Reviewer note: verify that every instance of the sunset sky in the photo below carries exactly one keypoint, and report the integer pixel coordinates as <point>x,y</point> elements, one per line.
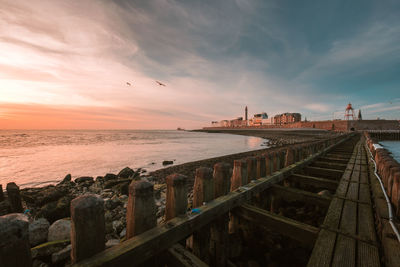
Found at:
<point>65,64</point>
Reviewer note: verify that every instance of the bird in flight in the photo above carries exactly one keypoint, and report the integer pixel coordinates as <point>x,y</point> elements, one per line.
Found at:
<point>160,83</point>
<point>127,83</point>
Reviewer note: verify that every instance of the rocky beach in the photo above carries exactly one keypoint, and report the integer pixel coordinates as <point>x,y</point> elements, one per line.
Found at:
<point>48,208</point>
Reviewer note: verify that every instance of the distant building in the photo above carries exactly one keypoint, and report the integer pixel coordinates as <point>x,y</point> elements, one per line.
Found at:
<point>287,118</point>
<point>259,119</point>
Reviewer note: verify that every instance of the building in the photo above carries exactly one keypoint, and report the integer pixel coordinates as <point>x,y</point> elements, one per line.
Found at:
<point>259,119</point>
<point>287,118</point>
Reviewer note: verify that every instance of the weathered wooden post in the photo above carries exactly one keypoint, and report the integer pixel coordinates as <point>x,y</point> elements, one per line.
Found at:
<point>261,166</point>
<point>219,230</point>
<point>15,249</point>
<point>289,157</point>
<point>203,191</point>
<point>239,175</point>
<point>141,209</point>
<point>239,178</point>
<point>282,156</point>
<point>87,227</point>
<point>14,197</point>
<point>177,203</point>
<point>268,164</point>
<point>251,169</point>
<point>1,193</point>
<point>396,193</point>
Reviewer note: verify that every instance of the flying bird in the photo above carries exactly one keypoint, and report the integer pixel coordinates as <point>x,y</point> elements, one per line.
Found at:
<point>128,84</point>
<point>160,83</point>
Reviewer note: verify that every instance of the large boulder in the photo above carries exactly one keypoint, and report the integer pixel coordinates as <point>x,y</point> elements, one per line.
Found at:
<point>44,196</point>
<point>126,173</point>
<point>84,179</point>
<point>5,207</point>
<point>38,231</point>
<point>60,230</point>
<point>110,176</point>
<point>112,183</point>
<point>56,210</point>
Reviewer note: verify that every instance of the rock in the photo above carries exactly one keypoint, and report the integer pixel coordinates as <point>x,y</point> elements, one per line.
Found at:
<point>110,176</point>
<point>126,173</point>
<point>167,162</point>
<point>14,240</point>
<point>112,183</point>
<point>61,255</point>
<point>47,249</point>
<point>66,179</point>
<point>60,230</point>
<point>122,188</point>
<point>56,210</point>
<point>39,263</point>
<point>123,233</point>
<point>44,196</point>
<point>14,197</point>
<point>117,226</point>
<point>38,231</point>
<point>110,204</point>
<point>325,193</point>
<point>84,179</point>
<point>112,242</point>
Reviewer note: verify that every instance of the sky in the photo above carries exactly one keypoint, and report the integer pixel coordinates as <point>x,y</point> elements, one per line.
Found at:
<point>66,64</point>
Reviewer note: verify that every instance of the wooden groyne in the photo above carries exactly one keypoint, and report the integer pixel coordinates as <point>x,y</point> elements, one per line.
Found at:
<point>377,135</point>
<point>315,204</point>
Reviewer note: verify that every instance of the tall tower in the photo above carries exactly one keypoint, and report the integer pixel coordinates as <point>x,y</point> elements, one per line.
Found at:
<point>245,115</point>
<point>349,113</point>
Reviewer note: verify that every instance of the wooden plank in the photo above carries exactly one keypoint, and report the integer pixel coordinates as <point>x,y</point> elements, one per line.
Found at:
<point>306,180</point>
<point>322,253</point>
<point>367,255</point>
<point>348,223</point>
<point>323,172</point>
<point>178,256</point>
<point>352,192</point>
<point>291,194</point>
<point>391,245</point>
<point>329,165</point>
<point>345,252</point>
<point>366,225</point>
<point>341,190</point>
<point>304,233</point>
<point>334,213</point>
<point>364,194</point>
<point>327,159</point>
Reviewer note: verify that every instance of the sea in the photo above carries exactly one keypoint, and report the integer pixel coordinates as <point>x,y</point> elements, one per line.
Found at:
<point>33,158</point>
<point>393,147</point>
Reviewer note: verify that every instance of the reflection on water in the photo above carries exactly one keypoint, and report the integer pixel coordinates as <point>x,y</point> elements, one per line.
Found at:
<point>33,158</point>
<point>393,147</point>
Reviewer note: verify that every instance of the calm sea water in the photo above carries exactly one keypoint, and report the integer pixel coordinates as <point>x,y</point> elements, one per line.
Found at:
<point>394,147</point>
<point>35,158</point>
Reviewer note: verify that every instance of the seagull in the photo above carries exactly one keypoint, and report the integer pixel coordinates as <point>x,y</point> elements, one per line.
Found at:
<point>160,83</point>
<point>128,84</point>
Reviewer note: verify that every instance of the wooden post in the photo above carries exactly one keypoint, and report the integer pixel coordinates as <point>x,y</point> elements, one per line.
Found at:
<point>141,209</point>
<point>261,170</point>
<point>87,227</point>
<point>1,193</point>
<point>222,182</point>
<point>396,193</point>
<point>290,157</point>
<point>239,175</point>
<point>203,191</point>
<point>219,240</point>
<point>251,169</point>
<point>15,249</point>
<point>275,159</point>
<point>268,164</point>
<point>14,197</point>
<point>177,203</point>
<point>282,157</point>
<point>239,178</point>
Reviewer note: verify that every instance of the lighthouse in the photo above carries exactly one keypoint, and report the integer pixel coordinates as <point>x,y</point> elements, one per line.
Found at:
<point>245,115</point>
